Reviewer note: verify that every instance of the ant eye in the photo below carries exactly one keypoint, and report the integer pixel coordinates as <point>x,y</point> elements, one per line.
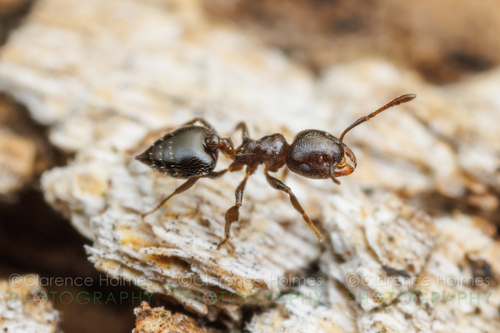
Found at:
<point>305,168</point>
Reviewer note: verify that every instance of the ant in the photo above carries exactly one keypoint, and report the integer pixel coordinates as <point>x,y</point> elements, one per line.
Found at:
<point>191,152</point>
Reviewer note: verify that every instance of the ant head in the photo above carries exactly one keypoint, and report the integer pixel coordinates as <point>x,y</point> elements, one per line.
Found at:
<point>319,155</point>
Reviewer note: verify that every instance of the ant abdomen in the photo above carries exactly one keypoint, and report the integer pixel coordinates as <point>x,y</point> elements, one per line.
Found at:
<point>181,153</point>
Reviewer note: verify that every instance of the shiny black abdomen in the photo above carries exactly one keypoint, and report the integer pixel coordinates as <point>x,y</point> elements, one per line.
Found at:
<point>181,153</point>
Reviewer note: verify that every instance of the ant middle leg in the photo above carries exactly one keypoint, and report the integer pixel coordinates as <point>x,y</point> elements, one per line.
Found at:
<point>245,136</point>
<point>233,213</point>
<point>278,185</point>
<point>190,182</point>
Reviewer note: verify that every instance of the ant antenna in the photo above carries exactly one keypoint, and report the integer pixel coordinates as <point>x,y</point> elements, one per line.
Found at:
<point>396,101</point>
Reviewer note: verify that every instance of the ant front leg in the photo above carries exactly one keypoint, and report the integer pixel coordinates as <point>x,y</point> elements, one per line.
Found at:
<point>233,213</point>
<point>277,184</point>
<point>284,174</point>
<point>189,183</point>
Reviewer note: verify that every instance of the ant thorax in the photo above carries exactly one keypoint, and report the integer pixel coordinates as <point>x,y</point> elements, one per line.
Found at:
<point>270,150</point>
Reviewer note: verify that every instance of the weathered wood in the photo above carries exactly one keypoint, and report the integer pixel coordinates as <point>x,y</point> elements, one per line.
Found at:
<point>103,75</point>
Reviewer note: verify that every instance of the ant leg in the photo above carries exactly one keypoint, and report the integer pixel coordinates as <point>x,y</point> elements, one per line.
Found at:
<point>277,184</point>
<point>245,136</point>
<point>190,182</point>
<point>217,174</point>
<point>233,213</point>
<point>244,129</point>
<point>284,174</point>
<point>202,121</point>
<point>335,180</point>
<point>184,187</point>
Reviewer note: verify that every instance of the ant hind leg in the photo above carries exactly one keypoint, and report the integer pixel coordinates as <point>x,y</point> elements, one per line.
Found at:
<point>202,121</point>
<point>184,187</point>
<point>189,183</point>
<point>278,185</point>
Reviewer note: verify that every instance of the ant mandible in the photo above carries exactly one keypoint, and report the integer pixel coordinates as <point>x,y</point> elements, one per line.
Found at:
<point>191,152</point>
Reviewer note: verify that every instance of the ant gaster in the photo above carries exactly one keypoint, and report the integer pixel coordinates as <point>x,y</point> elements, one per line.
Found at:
<point>191,152</point>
